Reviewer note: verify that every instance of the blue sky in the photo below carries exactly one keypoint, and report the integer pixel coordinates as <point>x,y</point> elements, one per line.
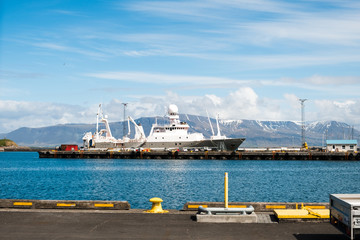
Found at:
<point>243,59</point>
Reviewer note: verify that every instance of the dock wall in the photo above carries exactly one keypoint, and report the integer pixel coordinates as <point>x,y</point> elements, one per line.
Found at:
<point>125,205</point>
<point>211,155</point>
<point>258,206</point>
<point>64,204</point>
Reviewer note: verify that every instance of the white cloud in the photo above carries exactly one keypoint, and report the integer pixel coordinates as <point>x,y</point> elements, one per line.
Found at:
<point>64,48</point>
<point>16,114</point>
<point>241,103</point>
<point>214,99</point>
<point>66,12</point>
<point>347,111</point>
<point>291,98</point>
<point>160,78</point>
<point>293,21</point>
<point>316,28</point>
<point>201,10</point>
<point>326,80</point>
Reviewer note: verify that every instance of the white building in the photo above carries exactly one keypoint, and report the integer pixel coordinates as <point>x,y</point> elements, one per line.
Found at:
<point>341,145</point>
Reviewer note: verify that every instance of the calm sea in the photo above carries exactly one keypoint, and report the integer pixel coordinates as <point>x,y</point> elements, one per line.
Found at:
<point>24,175</point>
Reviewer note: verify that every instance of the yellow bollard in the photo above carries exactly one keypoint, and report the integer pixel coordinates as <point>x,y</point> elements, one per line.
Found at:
<point>156,206</point>
<point>226,196</point>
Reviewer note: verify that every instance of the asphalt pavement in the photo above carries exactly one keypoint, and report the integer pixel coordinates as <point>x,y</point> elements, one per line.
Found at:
<point>134,224</point>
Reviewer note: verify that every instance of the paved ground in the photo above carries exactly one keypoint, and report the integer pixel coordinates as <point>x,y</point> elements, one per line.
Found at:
<point>133,224</point>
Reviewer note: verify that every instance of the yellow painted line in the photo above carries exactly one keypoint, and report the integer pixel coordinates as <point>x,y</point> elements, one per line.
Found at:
<point>237,206</point>
<point>22,203</point>
<point>66,204</point>
<point>197,206</point>
<point>316,207</point>
<point>104,205</point>
<point>275,206</point>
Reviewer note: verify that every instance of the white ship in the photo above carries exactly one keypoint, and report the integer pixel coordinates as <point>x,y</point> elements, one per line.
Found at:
<point>162,137</point>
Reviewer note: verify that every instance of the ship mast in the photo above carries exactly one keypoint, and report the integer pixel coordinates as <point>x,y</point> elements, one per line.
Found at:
<point>302,122</point>
<point>217,125</point>
<point>97,122</point>
<point>212,129</point>
<point>124,122</point>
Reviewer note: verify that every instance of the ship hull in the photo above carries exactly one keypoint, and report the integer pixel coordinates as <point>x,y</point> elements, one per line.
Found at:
<point>230,144</point>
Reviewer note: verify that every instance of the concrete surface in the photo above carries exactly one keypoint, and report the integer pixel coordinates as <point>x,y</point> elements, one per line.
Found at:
<point>134,224</point>
<point>226,218</point>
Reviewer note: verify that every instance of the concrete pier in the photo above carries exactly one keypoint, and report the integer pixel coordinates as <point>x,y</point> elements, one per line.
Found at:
<point>207,155</point>
<point>18,224</point>
<point>60,219</point>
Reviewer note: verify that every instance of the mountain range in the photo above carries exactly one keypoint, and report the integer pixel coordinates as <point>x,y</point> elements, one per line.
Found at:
<point>257,133</point>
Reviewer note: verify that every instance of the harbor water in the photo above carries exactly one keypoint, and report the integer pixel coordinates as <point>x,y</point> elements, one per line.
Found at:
<point>23,175</point>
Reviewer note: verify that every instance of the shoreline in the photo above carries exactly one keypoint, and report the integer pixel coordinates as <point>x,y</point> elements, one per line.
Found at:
<point>24,149</point>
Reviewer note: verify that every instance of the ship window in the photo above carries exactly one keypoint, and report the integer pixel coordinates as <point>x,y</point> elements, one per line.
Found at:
<point>162,137</point>
<point>179,143</point>
<point>187,137</point>
<point>179,137</point>
<point>175,144</point>
<point>351,147</point>
<point>343,146</point>
<point>155,137</point>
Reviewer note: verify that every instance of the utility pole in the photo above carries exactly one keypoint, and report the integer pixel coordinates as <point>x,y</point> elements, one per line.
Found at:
<point>124,122</point>
<point>302,121</point>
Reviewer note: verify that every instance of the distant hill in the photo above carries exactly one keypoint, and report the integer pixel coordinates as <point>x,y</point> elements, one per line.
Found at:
<point>257,133</point>
<point>7,143</point>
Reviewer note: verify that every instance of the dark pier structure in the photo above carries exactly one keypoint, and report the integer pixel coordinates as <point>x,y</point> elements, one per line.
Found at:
<point>210,155</point>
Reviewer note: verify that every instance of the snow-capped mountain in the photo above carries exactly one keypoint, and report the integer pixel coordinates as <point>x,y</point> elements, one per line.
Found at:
<point>257,133</point>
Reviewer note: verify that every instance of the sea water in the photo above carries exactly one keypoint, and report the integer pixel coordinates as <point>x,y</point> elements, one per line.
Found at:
<point>23,175</point>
